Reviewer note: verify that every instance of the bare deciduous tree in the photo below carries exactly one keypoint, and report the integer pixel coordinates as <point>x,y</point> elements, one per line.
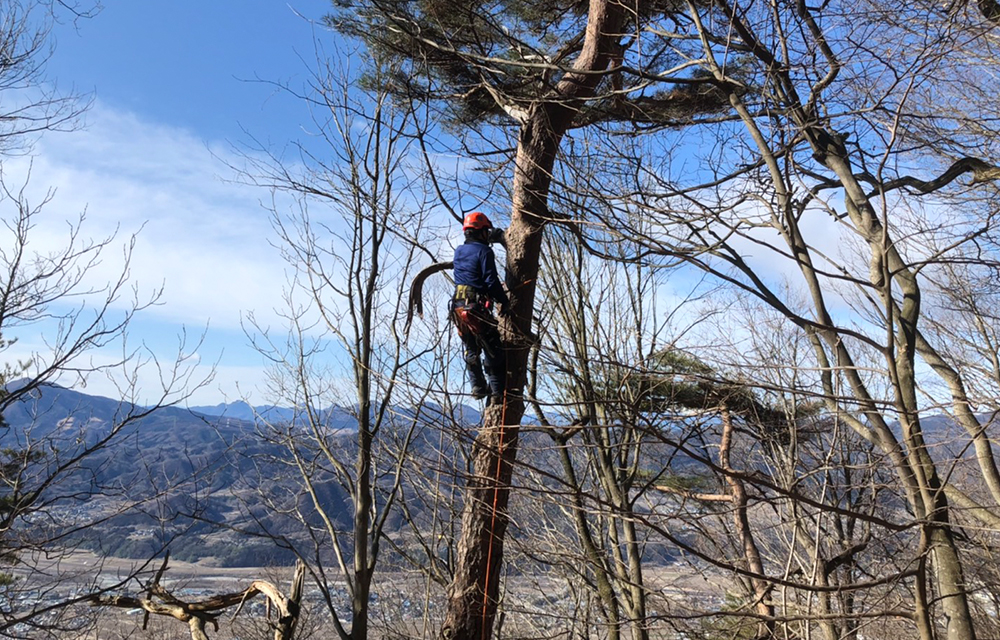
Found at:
<point>31,106</point>
<point>351,243</point>
<point>52,295</point>
<point>829,129</point>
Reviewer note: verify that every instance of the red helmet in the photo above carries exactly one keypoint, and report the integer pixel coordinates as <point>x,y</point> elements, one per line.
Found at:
<point>476,220</point>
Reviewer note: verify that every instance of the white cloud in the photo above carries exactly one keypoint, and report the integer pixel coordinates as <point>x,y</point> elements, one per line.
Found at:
<point>205,240</point>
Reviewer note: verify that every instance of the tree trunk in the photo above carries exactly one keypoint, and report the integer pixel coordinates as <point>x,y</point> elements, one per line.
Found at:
<point>472,602</point>
<point>472,597</point>
<point>362,523</point>
<point>762,590</point>
<point>601,577</point>
<point>289,615</point>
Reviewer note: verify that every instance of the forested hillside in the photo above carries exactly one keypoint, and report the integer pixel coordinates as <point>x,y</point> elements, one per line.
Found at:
<point>192,478</point>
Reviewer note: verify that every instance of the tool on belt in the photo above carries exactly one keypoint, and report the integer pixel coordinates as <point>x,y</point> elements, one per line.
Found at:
<point>469,310</point>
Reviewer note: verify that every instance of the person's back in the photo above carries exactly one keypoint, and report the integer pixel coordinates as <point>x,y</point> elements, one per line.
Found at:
<point>475,266</point>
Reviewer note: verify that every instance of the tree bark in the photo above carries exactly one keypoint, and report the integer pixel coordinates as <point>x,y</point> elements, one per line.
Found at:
<point>472,596</point>
<point>288,608</point>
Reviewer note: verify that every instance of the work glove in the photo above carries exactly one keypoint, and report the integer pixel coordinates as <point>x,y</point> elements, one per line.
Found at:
<point>497,236</point>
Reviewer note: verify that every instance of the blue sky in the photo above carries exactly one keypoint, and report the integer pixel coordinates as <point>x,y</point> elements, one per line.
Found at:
<point>194,65</point>
<point>175,86</point>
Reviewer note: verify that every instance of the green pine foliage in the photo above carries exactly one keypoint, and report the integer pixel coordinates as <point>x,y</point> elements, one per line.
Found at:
<point>674,379</point>
<point>485,59</point>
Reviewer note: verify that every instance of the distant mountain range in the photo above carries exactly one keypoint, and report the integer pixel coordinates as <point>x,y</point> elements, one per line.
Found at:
<point>208,461</point>
<point>51,403</point>
<point>240,410</point>
<point>190,469</point>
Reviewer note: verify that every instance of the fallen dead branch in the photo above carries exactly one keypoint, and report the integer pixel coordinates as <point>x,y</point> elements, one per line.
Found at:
<point>199,614</point>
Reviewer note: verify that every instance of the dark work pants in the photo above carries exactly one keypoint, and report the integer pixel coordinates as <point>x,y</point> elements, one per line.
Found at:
<point>483,342</point>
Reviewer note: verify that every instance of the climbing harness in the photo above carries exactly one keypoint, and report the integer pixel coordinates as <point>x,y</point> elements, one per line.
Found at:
<point>467,321</point>
<point>470,310</point>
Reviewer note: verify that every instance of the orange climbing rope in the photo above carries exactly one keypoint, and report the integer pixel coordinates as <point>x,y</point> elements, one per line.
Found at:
<point>496,497</point>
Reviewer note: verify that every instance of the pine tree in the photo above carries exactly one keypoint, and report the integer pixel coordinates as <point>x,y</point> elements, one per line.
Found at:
<point>536,70</point>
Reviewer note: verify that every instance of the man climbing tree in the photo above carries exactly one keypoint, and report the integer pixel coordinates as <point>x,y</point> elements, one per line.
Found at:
<point>477,290</point>
<point>535,72</point>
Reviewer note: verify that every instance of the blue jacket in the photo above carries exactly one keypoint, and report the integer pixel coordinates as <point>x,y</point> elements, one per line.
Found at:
<point>476,267</point>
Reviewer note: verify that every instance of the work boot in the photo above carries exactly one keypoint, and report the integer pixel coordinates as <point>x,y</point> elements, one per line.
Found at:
<point>480,392</point>
<point>495,398</point>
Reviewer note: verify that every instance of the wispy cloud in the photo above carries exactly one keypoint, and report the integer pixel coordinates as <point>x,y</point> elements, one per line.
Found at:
<point>206,241</point>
